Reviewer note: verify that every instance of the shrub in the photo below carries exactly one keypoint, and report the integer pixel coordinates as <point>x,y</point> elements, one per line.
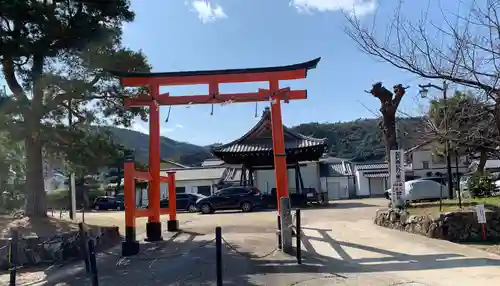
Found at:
<point>481,185</point>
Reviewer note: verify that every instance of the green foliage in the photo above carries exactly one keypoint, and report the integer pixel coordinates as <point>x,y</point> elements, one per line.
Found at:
<point>12,173</point>
<point>470,121</point>
<point>359,139</point>
<point>184,153</point>
<point>362,139</point>
<point>481,185</point>
<point>56,58</point>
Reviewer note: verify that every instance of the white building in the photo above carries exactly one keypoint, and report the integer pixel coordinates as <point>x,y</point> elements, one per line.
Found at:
<point>372,179</point>
<point>337,179</point>
<point>198,180</point>
<point>421,160</point>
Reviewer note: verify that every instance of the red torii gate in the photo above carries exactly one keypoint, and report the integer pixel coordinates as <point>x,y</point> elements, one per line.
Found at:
<point>213,78</point>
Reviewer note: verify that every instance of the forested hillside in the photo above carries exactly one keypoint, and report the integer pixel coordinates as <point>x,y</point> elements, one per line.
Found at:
<point>359,140</point>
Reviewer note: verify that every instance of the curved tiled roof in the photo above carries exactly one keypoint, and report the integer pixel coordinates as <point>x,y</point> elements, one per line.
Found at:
<point>259,139</point>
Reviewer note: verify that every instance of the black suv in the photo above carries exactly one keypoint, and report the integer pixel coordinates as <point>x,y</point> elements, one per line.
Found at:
<point>108,203</point>
<point>232,198</point>
<point>184,202</point>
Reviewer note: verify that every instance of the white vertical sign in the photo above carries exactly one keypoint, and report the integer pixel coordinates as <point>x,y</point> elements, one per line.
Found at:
<point>481,215</point>
<point>397,176</point>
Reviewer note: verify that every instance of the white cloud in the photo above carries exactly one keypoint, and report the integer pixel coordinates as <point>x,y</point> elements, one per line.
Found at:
<point>140,126</point>
<point>208,12</point>
<point>358,7</point>
<point>143,127</point>
<point>166,130</point>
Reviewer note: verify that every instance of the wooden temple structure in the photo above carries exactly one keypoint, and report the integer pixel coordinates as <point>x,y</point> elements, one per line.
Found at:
<point>254,151</point>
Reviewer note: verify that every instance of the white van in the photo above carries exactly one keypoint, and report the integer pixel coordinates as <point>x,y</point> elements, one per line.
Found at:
<point>421,191</point>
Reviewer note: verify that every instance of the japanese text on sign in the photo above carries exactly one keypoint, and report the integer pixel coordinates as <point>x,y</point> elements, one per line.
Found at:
<point>397,174</point>
<point>481,214</point>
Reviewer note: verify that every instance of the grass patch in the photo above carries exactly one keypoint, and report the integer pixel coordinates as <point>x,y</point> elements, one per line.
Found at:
<point>432,208</point>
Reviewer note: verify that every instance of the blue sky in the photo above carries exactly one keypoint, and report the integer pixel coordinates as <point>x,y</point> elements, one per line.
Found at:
<point>217,34</point>
<point>221,34</point>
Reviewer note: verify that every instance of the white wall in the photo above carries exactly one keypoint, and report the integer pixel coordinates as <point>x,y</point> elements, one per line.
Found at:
<point>265,180</point>
<point>362,186</point>
<point>329,181</point>
<point>190,186</point>
<point>421,155</point>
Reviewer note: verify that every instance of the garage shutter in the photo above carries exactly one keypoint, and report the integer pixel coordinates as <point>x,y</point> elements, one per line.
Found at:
<point>377,187</point>
<point>333,190</point>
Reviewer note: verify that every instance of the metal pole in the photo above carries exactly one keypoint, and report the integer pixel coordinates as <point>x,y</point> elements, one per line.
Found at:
<point>297,236</point>
<point>447,143</point>
<point>13,257</point>
<point>458,179</point>
<point>218,255</point>
<point>93,264</point>
<point>72,199</point>
<point>85,250</point>
<point>280,246</point>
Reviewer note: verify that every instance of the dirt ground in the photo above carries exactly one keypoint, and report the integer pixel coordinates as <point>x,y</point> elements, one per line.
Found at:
<point>41,227</point>
<point>202,223</point>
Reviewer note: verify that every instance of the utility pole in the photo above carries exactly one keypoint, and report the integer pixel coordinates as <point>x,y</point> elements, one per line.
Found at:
<point>458,179</point>
<point>424,89</point>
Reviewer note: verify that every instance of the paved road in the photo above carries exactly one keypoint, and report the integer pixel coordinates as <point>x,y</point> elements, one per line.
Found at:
<point>341,246</point>
<point>350,241</point>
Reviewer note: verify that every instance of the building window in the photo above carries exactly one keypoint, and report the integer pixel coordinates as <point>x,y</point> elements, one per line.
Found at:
<point>425,164</point>
<point>180,190</point>
<point>204,190</point>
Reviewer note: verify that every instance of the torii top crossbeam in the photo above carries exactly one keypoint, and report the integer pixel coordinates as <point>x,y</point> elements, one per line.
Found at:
<point>213,78</point>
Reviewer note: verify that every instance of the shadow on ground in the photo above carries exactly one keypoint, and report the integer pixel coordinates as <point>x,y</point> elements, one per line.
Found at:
<point>188,258</point>
<point>344,205</point>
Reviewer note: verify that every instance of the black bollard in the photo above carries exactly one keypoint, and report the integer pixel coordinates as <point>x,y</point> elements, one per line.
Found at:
<point>84,244</point>
<point>93,264</point>
<point>297,236</point>
<point>218,254</point>
<point>280,246</point>
<point>13,257</point>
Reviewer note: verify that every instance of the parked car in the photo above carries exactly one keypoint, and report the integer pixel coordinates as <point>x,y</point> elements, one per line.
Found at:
<point>313,196</point>
<point>108,203</point>
<point>185,202</point>
<point>441,180</point>
<point>421,191</point>
<point>244,198</point>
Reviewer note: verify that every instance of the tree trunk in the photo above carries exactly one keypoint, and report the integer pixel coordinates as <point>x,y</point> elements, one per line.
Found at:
<point>35,191</point>
<point>482,162</point>
<point>391,142</point>
<point>497,113</point>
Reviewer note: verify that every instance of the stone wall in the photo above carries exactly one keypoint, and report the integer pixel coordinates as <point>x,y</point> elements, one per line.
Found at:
<point>57,249</point>
<point>452,226</point>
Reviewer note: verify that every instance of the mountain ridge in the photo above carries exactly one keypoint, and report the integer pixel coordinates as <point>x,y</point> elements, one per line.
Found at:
<point>358,140</point>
